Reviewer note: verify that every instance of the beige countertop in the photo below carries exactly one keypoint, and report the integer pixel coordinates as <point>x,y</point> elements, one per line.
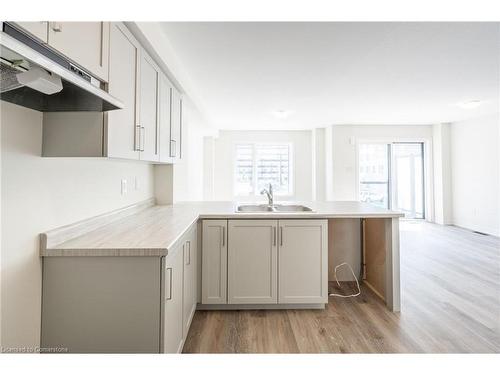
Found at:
<point>154,230</point>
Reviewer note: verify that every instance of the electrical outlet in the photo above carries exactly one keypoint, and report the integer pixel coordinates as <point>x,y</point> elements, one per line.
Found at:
<point>124,186</point>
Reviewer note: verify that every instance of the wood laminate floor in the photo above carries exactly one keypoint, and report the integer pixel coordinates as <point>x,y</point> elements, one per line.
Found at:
<point>450,281</point>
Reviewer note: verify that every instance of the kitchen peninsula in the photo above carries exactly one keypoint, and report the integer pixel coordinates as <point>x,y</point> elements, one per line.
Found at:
<point>155,265</point>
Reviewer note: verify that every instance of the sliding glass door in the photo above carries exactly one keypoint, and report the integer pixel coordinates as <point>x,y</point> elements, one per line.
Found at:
<point>408,179</point>
<point>374,167</point>
<point>391,175</point>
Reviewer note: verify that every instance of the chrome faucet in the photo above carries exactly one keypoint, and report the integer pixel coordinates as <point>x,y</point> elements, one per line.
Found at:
<point>269,193</point>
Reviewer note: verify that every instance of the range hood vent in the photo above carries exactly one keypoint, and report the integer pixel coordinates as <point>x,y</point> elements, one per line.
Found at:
<point>35,76</point>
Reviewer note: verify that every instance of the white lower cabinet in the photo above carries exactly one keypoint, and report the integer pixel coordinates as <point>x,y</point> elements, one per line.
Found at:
<point>180,292</point>
<point>266,261</point>
<point>303,261</point>
<point>190,279</point>
<point>214,262</point>
<point>173,337</point>
<point>252,261</point>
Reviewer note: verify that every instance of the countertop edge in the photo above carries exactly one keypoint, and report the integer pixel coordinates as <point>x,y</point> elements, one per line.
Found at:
<point>299,215</point>
<point>164,250</point>
<point>103,252</point>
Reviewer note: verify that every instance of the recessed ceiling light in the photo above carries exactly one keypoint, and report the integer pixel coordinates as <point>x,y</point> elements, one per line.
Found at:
<point>470,104</point>
<point>282,113</point>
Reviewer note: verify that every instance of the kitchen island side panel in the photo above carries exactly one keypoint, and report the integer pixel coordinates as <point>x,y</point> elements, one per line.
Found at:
<point>101,304</point>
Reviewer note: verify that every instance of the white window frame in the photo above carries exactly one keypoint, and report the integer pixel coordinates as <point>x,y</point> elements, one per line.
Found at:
<point>291,180</point>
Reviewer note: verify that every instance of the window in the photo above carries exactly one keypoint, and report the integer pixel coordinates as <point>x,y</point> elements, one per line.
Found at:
<point>259,164</point>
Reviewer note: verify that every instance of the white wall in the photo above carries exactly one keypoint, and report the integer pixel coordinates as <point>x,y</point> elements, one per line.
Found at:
<point>39,194</point>
<point>208,167</point>
<point>442,174</point>
<point>224,155</point>
<point>188,172</point>
<point>475,174</point>
<point>328,163</point>
<point>318,164</point>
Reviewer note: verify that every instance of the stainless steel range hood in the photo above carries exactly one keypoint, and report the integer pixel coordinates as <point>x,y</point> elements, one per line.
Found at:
<point>32,74</point>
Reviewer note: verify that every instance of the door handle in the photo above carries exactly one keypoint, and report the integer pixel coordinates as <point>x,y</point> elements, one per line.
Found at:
<point>188,252</point>
<point>142,137</point>
<point>173,148</point>
<point>137,145</point>
<point>180,131</point>
<point>281,236</point>
<point>223,236</point>
<point>274,236</point>
<point>170,271</point>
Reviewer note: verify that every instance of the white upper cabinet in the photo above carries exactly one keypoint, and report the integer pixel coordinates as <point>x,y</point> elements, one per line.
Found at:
<point>148,117</point>
<point>303,261</point>
<point>252,261</point>
<point>124,55</point>
<point>176,125</point>
<point>148,127</point>
<point>38,29</point>
<point>86,43</point>
<point>165,115</point>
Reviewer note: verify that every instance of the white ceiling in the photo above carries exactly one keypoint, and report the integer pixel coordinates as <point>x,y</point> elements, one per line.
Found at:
<point>338,73</point>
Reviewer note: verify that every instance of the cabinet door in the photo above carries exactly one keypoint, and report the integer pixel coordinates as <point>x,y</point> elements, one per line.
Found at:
<point>86,43</point>
<point>38,29</point>
<point>214,262</point>
<point>190,280</point>
<point>172,323</point>
<point>123,83</point>
<point>165,115</point>
<point>252,261</point>
<point>303,261</point>
<point>148,117</point>
<point>175,125</point>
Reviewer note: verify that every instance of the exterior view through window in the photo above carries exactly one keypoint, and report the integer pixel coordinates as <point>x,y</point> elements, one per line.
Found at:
<point>374,174</point>
<point>391,175</point>
<point>259,164</point>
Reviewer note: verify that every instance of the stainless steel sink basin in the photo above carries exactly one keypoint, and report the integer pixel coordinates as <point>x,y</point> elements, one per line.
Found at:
<point>254,208</point>
<point>291,208</point>
<point>274,208</point>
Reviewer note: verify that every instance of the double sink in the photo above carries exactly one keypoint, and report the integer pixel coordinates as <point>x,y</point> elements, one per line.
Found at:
<point>272,208</point>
